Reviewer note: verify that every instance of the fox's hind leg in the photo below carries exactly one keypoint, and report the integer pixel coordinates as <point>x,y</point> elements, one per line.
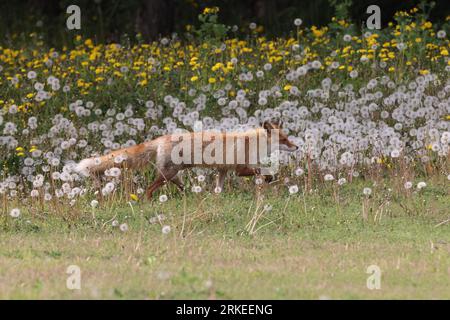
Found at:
<point>164,176</point>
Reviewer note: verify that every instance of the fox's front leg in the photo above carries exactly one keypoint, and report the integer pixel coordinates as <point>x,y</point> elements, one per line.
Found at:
<point>247,171</point>
<point>221,179</point>
<point>97,183</point>
<point>178,182</point>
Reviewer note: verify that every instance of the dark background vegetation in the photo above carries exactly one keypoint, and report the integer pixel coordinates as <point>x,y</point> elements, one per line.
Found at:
<point>108,20</point>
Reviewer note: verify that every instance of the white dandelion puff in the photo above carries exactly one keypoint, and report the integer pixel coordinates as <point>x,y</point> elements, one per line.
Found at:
<point>165,229</point>
<point>94,203</point>
<point>421,185</point>
<point>293,189</point>
<point>367,191</point>
<point>299,171</point>
<point>15,213</point>
<point>258,181</point>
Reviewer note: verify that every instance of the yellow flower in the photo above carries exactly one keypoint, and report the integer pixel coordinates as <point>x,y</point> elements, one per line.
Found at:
<point>391,69</point>
<point>19,149</point>
<point>318,32</point>
<point>444,52</point>
<point>212,10</point>
<point>424,72</point>
<point>287,87</point>
<point>194,78</point>
<point>134,197</point>
<point>427,25</point>
<point>89,43</point>
<point>217,66</point>
<point>212,80</point>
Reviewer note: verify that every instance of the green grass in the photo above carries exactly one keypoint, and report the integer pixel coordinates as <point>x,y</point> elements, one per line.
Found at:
<point>307,246</point>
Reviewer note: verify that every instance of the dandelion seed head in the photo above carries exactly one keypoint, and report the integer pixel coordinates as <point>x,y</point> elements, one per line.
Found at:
<point>293,189</point>
<point>123,227</point>
<point>367,191</point>
<point>15,213</point>
<point>166,229</point>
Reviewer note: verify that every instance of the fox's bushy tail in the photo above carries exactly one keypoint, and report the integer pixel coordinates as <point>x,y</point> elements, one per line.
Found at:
<point>132,157</point>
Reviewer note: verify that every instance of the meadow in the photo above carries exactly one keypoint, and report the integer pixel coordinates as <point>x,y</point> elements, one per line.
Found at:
<point>229,247</point>
<point>369,185</point>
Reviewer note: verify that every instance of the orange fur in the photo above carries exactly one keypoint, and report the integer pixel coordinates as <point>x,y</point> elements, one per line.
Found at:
<point>158,152</point>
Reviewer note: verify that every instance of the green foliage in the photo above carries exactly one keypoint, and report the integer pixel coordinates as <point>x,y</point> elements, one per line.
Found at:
<point>341,8</point>
<point>210,29</point>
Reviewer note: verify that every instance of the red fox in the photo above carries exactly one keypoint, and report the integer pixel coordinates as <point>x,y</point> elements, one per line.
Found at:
<point>244,152</point>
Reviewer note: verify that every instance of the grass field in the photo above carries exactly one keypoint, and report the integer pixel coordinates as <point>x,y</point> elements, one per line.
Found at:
<point>306,246</point>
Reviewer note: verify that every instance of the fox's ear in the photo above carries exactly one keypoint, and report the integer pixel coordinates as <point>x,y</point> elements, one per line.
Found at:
<point>268,125</point>
<point>271,126</point>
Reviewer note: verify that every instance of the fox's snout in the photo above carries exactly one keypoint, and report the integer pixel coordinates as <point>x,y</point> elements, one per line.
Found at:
<point>288,147</point>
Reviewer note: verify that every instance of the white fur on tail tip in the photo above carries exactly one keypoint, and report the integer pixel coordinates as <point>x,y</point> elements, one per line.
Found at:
<point>83,166</point>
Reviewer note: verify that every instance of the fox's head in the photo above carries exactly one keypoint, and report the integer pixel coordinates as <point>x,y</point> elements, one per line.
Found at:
<point>283,142</point>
